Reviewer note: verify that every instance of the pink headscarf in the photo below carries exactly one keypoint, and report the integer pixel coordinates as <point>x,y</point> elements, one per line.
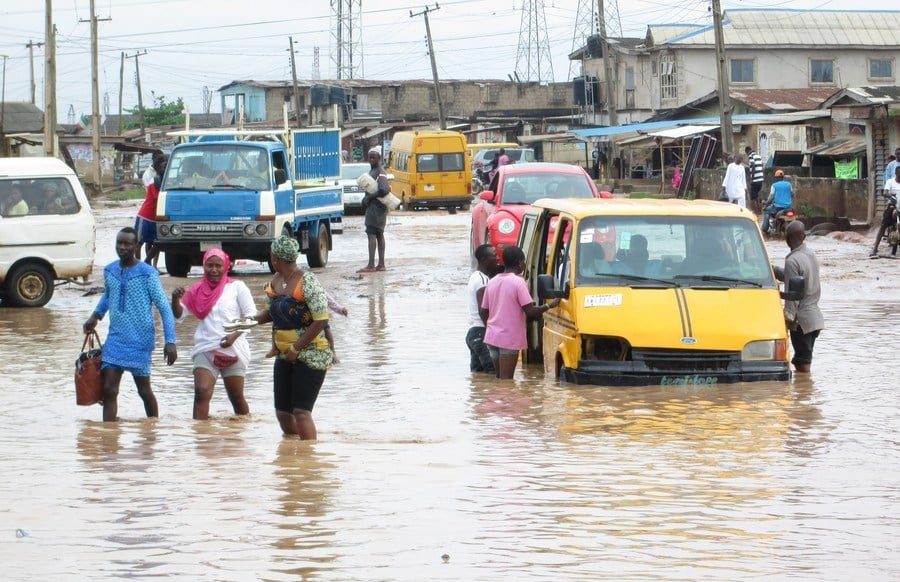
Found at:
<point>201,297</point>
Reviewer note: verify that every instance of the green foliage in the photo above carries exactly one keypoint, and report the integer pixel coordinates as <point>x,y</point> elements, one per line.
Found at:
<point>162,113</point>
<point>133,193</point>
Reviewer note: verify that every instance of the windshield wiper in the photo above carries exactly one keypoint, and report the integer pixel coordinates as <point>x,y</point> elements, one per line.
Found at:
<point>232,186</point>
<point>719,279</point>
<point>170,188</point>
<point>639,278</point>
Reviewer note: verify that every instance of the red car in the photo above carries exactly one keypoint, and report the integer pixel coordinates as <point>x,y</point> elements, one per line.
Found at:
<point>498,218</point>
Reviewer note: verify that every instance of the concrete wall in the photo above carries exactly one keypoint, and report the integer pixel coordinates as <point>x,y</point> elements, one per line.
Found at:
<point>816,196</point>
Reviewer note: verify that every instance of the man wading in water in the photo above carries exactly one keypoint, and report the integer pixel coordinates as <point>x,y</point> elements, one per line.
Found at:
<point>376,213</point>
<point>804,318</point>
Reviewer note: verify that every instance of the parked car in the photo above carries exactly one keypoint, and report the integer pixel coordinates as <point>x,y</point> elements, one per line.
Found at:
<point>668,292</point>
<point>498,217</point>
<point>47,231</point>
<point>352,193</point>
<point>485,156</point>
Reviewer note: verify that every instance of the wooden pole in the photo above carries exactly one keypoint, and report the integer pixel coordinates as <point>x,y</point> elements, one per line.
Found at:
<point>49,81</point>
<point>434,74</point>
<point>294,77</point>
<point>722,71</point>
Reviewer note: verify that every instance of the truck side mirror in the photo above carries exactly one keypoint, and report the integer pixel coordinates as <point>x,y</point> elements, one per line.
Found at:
<point>796,287</point>
<point>487,196</point>
<point>546,286</point>
<point>280,176</point>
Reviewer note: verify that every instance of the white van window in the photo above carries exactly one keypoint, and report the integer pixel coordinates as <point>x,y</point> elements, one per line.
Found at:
<point>688,251</point>
<point>38,196</point>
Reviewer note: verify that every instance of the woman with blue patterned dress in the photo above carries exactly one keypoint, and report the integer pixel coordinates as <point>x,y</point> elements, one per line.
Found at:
<point>131,289</point>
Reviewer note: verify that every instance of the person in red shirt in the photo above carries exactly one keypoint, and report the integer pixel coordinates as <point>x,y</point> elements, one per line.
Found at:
<point>145,223</point>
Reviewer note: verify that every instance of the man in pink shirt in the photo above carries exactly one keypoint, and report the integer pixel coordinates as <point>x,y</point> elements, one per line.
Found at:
<point>505,307</point>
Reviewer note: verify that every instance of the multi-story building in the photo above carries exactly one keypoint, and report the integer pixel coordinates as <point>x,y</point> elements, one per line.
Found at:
<point>675,64</point>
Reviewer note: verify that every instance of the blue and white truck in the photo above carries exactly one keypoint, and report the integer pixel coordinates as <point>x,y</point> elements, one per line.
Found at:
<point>240,190</point>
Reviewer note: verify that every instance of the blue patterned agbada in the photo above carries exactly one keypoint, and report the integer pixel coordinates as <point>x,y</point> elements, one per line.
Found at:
<point>129,296</point>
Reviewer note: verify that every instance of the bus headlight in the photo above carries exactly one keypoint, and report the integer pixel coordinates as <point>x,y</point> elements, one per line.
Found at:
<point>164,229</point>
<point>262,229</point>
<point>248,229</point>
<point>765,350</point>
<point>506,226</point>
<point>175,230</point>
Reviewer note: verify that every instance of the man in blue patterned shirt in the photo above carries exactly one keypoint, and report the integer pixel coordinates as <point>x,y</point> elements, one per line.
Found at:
<point>131,289</point>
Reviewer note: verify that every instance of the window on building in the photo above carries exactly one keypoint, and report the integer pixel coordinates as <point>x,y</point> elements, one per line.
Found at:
<point>629,98</point>
<point>821,71</point>
<point>668,77</point>
<point>742,71</point>
<point>881,69</point>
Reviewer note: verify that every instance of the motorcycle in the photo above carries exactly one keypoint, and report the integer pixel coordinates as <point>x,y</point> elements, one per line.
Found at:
<point>781,220</point>
<point>480,181</point>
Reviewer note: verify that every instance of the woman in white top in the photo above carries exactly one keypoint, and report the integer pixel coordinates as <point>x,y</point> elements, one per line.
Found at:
<point>216,300</point>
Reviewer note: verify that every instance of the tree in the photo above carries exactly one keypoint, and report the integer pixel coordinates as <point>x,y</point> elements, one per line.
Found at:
<point>162,113</point>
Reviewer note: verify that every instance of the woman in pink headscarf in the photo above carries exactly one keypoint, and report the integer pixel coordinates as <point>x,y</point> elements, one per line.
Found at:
<point>214,301</point>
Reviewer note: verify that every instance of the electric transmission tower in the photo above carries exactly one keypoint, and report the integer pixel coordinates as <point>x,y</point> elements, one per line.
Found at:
<point>533,62</point>
<point>346,38</point>
<point>316,70</point>
<point>587,24</point>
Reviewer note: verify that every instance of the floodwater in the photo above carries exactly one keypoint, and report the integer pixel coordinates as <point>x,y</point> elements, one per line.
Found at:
<point>518,480</point>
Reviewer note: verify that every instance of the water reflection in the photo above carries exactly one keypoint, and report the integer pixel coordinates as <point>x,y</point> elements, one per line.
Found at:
<point>304,482</point>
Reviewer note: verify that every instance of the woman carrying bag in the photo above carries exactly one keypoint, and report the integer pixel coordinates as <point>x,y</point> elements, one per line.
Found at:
<point>214,301</point>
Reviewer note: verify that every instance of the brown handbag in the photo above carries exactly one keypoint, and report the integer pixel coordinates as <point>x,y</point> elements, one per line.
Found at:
<point>88,380</point>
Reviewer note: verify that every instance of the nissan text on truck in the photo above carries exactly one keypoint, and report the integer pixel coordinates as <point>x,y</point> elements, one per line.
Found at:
<point>239,190</point>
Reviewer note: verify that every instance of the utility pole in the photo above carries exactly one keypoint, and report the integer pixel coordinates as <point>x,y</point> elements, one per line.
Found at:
<point>609,67</point>
<point>137,69</point>
<point>121,88</point>
<point>49,81</point>
<point>721,69</point>
<point>294,79</point>
<point>95,97</point>
<point>434,73</point>
<point>30,46</point>
<point>3,107</point>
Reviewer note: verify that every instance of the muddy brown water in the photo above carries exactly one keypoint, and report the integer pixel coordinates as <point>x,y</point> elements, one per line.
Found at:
<point>526,479</point>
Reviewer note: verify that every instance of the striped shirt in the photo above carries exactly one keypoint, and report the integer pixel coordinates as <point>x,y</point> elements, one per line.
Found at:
<point>756,167</point>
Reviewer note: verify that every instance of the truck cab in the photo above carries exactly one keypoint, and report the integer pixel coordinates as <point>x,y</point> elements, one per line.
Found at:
<point>667,292</point>
<point>240,194</point>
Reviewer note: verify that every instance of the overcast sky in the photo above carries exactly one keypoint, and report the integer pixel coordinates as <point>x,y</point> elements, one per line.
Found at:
<point>192,44</point>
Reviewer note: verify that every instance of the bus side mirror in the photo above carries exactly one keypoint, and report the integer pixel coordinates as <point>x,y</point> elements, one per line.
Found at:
<point>546,286</point>
<point>487,196</point>
<point>796,287</point>
<point>280,176</point>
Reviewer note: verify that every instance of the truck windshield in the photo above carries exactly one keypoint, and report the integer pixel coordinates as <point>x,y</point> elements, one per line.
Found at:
<point>688,251</point>
<point>218,166</point>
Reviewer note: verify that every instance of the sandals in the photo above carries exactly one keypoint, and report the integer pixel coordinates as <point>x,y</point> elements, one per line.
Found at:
<point>240,324</point>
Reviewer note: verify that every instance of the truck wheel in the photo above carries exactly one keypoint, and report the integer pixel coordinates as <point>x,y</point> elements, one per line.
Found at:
<point>178,264</point>
<point>317,256</point>
<point>29,285</point>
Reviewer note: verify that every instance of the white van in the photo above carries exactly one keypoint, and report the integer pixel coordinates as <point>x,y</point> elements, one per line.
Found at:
<point>47,231</point>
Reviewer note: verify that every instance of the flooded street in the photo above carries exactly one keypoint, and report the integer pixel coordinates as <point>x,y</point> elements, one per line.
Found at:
<point>518,480</point>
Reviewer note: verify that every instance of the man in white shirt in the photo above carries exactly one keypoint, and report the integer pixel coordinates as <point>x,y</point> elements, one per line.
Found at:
<point>891,188</point>
<point>488,266</point>
<point>735,182</point>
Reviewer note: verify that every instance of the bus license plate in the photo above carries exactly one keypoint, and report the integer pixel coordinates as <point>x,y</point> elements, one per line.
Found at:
<point>206,245</point>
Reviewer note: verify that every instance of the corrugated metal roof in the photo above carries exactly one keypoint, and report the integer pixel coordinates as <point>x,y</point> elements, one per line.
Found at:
<point>840,146</point>
<point>22,117</point>
<point>783,99</point>
<point>683,131</point>
<point>747,119</point>
<point>800,28</point>
<point>663,33</point>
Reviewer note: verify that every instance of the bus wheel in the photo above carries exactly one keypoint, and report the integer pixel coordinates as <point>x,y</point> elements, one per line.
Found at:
<point>29,285</point>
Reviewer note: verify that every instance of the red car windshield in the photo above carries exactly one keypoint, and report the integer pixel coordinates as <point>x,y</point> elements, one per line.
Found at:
<point>528,188</point>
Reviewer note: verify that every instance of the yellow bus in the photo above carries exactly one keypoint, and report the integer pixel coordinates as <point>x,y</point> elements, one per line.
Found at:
<point>431,169</point>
